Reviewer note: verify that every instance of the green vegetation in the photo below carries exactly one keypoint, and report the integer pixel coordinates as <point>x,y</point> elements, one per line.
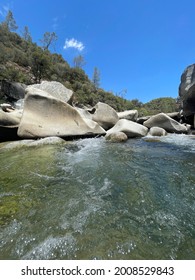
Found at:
<point>23,61</point>
<point>158,105</point>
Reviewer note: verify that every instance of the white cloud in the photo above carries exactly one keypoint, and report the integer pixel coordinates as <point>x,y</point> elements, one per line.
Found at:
<point>73,43</point>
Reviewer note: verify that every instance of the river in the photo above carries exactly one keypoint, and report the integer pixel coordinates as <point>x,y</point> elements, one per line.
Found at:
<point>91,199</point>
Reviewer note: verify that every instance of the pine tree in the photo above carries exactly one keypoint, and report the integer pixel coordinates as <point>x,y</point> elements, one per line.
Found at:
<point>10,22</point>
<point>49,38</point>
<point>79,61</point>
<point>96,78</point>
<point>26,34</point>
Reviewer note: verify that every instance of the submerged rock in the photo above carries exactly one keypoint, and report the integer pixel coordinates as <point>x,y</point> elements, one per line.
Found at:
<point>33,143</point>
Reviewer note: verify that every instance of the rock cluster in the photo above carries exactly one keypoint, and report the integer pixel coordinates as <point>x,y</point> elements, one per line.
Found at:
<point>47,111</point>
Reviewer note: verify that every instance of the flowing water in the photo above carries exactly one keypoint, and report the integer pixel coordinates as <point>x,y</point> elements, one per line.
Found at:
<point>91,199</point>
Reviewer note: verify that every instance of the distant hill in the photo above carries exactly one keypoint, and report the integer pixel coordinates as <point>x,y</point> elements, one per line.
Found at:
<point>23,61</point>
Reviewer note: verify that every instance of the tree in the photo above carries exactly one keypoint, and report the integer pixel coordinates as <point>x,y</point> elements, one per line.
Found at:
<point>79,61</point>
<point>136,103</point>
<point>49,38</point>
<point>96,78</point>
<point>40,65</point>
<point>26,34</point>
<point>10,23</point>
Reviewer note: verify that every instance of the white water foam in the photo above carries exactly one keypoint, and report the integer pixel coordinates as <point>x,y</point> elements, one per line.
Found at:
<point>79,210</point>
<point>8,234</point>
<point>183,140</point>
<point>51,247</point>
<point>85,149</point>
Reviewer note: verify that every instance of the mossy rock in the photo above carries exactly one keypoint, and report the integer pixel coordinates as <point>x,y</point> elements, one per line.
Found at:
<point>11,206</point>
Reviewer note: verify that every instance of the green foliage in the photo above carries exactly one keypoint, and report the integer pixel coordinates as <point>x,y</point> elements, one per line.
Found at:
<point>40,65</point>
<point>165,105</point>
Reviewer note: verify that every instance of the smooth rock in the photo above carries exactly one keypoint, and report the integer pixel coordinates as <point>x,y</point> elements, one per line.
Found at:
<point>174,115</point>
<point>55,89</point>
<point>84,113</point>
<point>141,120</point>
<point>131,129</point>
<point>157,131</point>
<point>10,118</point>
<point>45,116</point>
<point>116,137</point>
<point>130,115</point>
<point>164,121</point>
<point>104,115</point>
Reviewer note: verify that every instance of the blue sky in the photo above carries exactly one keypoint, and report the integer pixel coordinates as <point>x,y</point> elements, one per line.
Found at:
<point>141,47</point>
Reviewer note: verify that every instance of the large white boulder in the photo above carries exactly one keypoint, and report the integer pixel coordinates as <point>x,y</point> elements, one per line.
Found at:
<point>130,115</point>
<point>56,89</point>
<point>45,115</point>
<point>164,121</point>
<point>104,115</point>
<point>131,129</point>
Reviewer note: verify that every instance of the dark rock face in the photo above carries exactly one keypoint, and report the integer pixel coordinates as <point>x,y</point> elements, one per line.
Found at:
<point>187,91</point>
<point>12,91</point>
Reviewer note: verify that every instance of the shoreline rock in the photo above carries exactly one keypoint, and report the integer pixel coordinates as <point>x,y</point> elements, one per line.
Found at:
<point>47,111</point>
<point>45,116</point>
<point>131,129</point>
<point>164,121</point>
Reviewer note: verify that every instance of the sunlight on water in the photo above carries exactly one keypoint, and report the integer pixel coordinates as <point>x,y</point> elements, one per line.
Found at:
<point>91,199</point>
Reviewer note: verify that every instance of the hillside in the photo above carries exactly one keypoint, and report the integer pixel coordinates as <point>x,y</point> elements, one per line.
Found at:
<point>23,61</point>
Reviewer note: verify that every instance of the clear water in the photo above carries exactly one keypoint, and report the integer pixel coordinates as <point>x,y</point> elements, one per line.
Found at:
<point>90,199</point>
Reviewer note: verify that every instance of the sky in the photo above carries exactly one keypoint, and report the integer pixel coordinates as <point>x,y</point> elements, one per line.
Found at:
<point>141,47</point>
